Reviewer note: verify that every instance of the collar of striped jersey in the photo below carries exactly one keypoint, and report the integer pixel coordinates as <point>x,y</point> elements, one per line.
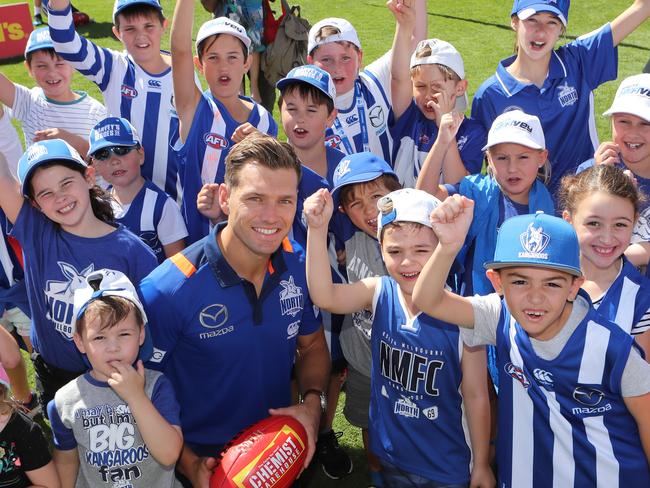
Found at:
<point>224,273</point>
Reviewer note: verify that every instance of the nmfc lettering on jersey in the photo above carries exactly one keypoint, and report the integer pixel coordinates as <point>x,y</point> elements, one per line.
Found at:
<point>291,297</point>
<point>215,140</point>
<point>409,369</point>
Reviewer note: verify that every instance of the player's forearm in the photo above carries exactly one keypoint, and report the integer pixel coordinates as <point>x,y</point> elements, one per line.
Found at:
<point>11,200</point>
<point>629,20</point>
<point>313,365</point>
<point>319,275</point>
<point>163,440</point>
<point>401,87</point>
<point>477,404</point>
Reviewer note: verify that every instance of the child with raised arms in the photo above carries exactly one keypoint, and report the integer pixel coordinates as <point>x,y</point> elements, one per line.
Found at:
<point>574,408</point>
<point>117,154</point>
<point>52,109</point>
<point>136,83</point>
<point>602,203</point>
<point>213,121</point>
<point>118,423</point>
<point>363,98</point>
<point>435,87</point>
<point>556,84</point>
<point>436,375</point>
<point>66,228</point>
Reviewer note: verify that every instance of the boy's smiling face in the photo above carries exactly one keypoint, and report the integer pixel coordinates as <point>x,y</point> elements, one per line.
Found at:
<point>537,297</point>
<point>361,206</point>
<point>632,135</point>
<point>141,36</point>
<point>53,74</point>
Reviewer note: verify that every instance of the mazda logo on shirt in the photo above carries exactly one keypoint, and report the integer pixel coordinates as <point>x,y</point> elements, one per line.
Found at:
<point>213,316</point>
<point>588,396</point>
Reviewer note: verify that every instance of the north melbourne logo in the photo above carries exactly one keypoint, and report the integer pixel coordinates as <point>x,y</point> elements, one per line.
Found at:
<point>291,297</point>
<point>568,95</point>
<point>534,241</point>
<point>342,169</point>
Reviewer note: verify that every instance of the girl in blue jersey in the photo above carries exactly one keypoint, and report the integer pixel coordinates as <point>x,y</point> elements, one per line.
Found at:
<point>65,226</point>
<point>574,396</point>
<point>556,85</point>
<point>117,154</point>
<point>602,204</point>
<point>421,374</point>
<point>212,121</point>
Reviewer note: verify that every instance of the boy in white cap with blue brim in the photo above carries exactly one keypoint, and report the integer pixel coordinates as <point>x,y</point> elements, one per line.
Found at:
<point>52,109</point>
<point>419,365</point>
<point>118,408</point>
<point>574,390</point>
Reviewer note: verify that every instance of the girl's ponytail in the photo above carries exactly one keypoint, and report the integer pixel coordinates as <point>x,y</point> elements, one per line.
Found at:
<point>100,201</point>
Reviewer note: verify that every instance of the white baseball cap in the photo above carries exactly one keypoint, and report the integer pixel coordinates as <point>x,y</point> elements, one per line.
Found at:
<point>516,127</point>
<point>445,54</point>
<point>347,33</point>
<point>632,97</point>
<point>222,25</point>
<point>405,205</point>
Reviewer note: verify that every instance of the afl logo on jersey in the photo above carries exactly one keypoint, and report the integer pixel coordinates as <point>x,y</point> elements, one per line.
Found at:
<point>215,140</point>
<point>517,373</point>
<point>333,141</point>
<point>129,91</point>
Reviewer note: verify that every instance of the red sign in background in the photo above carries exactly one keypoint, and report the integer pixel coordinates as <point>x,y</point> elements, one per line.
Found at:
<point>15,27</point>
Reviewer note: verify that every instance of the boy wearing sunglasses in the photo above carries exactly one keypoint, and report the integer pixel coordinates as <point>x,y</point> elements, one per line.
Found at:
<point>138,204</point>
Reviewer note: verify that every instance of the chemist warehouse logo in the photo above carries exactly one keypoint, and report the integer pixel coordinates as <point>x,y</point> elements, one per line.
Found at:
<point>60,297</point>
<point>291,297</point>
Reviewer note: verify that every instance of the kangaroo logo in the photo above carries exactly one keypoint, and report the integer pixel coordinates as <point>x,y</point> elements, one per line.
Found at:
<point>534,241</point>
<point>60,296</point>
<point>291,297</point>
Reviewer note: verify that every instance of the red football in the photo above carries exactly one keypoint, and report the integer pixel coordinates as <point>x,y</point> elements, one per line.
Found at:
<point>268,454</point>
<point>80,18</point>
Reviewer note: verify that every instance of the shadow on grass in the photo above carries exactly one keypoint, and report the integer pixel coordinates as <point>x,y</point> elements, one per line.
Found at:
<point>97,30</point>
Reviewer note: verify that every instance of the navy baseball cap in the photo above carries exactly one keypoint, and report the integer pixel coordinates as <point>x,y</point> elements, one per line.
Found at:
<point>358,168</point>
<point>538,240</point>
<point>112,131</point>
<point>39,39</point>
<point>43,152</point>
<point>120,5</point>
<point>527,8</point>
<point>312,75</point>
<point>107,282</point>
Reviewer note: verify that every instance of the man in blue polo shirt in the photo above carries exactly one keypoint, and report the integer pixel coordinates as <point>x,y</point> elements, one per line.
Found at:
<point>229,312</point>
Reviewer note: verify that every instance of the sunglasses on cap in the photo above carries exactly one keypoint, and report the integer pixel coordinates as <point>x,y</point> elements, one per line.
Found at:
<point>105,153</point>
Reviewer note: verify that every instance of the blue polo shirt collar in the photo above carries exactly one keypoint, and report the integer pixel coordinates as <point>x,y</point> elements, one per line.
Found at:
<point>223,272</point>
<point>511,86</point>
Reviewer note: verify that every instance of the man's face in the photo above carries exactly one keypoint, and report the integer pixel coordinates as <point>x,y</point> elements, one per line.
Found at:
<point>262,206</point>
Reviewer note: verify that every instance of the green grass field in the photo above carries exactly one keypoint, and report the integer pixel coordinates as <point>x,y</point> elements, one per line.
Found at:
<point>480,30</point>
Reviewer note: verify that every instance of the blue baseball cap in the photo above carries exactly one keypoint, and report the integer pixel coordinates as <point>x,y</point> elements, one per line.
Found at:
<point>39,39</point>
<point>312,75</point>
<point>358,168</point>
<point>107,282</point>
<point>43,152</point>
<point>120,5</point>
<point>112,131</point>
<point>526,8</point>
<point>538,240</point>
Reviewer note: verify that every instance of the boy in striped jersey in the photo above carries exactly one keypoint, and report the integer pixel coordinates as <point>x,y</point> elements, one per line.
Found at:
<point>574,402</point>
<point>52,109</point>
<point>136,83</point>
<point>147,211</point>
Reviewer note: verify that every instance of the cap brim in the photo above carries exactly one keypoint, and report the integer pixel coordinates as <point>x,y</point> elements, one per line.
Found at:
<point>513,140</point>
<point>535,9</point>
<point>361,178</point>
<point>105,144</point>
<point>631,109</point>
<point>300,79</point>
<point>511,264</point>
<point>34,167</point>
